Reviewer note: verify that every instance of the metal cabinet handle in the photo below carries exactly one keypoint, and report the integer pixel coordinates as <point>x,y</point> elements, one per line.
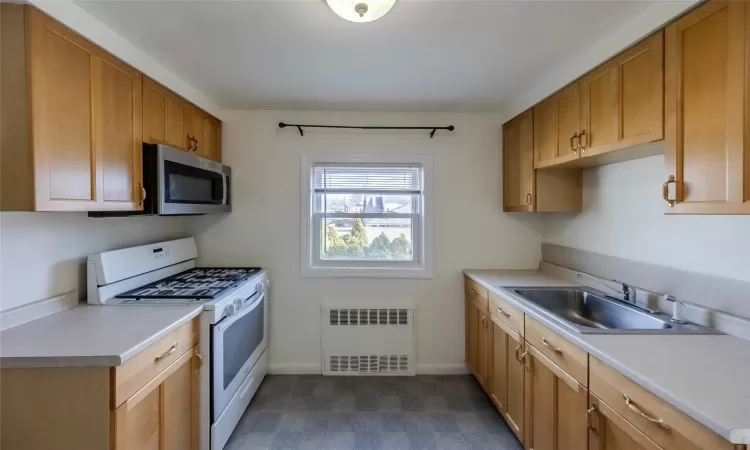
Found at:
<point>528,198</point>
<point>518,358</point>
<point>582,147</point>
<point>589,422</point>
<point>523,361</point>
<point>143,194</point>
<point>199,359</point>
<point>484,321</point>
<point>550,346</point>
<point>636,409</point>
<point>171,350</point>
<point>473,291</point>
<point>573,148</point>
<point>665,191</point>
<point>500,310</point>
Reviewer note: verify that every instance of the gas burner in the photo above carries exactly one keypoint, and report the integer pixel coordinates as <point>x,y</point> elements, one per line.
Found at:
<point>200,283</point>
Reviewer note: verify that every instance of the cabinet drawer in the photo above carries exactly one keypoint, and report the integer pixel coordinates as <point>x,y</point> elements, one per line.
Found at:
<point>559,350</point>
<point>661,422</point>
<point>507,313</point>
<point>476,292</point>
<point>130,377</point>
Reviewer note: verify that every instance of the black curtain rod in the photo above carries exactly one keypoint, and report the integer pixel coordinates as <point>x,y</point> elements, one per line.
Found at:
<point>301,133</point>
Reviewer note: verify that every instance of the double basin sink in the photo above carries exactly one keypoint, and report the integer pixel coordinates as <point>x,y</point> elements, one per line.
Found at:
<point>587,310</point>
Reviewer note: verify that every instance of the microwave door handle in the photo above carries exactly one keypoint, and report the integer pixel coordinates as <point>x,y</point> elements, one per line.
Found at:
<point>228,321</point>
<point>224,191</point>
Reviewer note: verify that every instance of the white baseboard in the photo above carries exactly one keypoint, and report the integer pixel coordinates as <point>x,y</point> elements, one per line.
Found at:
<point>33,311</point>
<point>442,369</point>
<point>294,369</point>
<point>315,369</point>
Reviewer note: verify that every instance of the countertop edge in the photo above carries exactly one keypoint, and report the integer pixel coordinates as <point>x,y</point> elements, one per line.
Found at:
<point>113,360</point>
<point>734,436</point>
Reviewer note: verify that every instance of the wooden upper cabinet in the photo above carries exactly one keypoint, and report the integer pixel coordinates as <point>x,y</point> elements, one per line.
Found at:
<point>557,125</point>
<point>518,163</point>
<point>622,100</point>
<point>75,141</point>
<point>166,116</point>
<point>529,190</point>
<point>206,132</point>
<point>706,101</point>
<point>556,406</point>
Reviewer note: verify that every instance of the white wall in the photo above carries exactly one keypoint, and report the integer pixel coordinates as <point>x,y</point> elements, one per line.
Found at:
<point>264,227</point>
<point>44,254</point>
<point>624,216</point>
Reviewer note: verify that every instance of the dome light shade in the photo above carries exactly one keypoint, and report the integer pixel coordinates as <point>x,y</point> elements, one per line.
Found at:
<point>361,10</point>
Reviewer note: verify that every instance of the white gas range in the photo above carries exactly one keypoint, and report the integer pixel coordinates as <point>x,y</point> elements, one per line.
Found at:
<point>234,322</point>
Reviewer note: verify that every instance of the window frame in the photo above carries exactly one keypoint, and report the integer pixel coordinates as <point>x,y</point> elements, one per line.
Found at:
<point>315,266</point>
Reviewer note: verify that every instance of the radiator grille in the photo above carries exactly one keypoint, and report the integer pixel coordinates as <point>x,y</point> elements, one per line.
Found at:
<point>369,363</point>
<point>367,316</point>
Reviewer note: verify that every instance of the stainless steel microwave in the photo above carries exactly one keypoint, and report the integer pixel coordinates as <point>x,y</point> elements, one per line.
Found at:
<point>179,183</point>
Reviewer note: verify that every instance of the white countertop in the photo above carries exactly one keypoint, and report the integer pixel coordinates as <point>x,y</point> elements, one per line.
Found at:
<point>87,336</point>
<point>705,376</point>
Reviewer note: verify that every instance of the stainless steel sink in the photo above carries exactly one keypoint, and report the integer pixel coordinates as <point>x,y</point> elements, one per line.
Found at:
<point>589,311</point>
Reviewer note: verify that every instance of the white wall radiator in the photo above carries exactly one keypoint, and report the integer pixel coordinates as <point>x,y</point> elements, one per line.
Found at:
<point>368,341</point>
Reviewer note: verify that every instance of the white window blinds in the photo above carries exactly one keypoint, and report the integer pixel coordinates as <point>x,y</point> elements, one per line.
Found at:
<point>367,179</point>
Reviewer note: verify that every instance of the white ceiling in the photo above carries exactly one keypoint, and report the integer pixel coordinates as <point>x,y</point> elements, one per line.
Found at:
<point>423,55</point>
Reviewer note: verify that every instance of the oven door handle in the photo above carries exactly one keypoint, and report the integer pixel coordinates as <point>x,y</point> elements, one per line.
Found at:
<point>228,321</point>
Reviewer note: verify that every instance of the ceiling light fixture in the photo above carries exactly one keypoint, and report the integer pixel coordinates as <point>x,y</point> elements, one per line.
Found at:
<point>361,10</point>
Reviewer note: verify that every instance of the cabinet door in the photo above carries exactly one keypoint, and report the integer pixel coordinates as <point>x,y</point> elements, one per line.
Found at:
<point>707,153</point>
<point>197,129</point>
<point>507,375</point>
<point>557,125</point>
<point>165,116</point>
<point>622,100</point>
<point>472,332</point>
<point>610,431</point>
<point>118,123</point>
<point>555,406</point>
<point>211,148</point>
<point>65,164</point>
<point>518,164</point>
<point>483,349</point>
<point>164,414</point>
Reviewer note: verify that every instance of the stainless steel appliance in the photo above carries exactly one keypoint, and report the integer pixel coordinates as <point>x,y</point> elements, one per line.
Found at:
<point>178,182</point>
<point>233,324</point>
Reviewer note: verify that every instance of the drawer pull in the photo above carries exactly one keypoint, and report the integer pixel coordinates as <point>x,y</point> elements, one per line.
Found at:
<point>550,346</point>
<point>171,350</point>
<point>500,310</point>
<point>633,407</point>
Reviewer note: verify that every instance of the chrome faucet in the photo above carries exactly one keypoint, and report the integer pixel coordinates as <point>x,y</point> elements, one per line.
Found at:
<point>628,292</point>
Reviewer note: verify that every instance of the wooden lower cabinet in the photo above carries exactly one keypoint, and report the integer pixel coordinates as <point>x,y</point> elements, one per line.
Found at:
<point>163,414</point>
<point>477,332</point>
<point>507,375</point>
<point>556,406</point>
<point>610,431</point>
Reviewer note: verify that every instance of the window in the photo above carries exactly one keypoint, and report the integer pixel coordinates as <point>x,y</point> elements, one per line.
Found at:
<point>366,218</point>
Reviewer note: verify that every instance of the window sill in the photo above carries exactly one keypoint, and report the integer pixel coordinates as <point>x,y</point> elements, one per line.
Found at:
<point>365,272</point>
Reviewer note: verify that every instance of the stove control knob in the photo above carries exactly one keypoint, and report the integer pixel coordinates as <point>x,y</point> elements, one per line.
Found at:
<point>237,304</point>
<point>230,310</point>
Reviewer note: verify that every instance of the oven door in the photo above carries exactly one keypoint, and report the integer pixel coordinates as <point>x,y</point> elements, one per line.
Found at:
<point>237,342</point>
<point>189,184</point>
